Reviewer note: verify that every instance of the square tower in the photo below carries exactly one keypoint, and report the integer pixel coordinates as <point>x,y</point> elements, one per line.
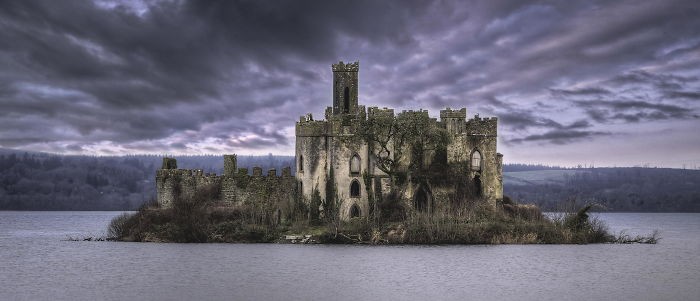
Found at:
<point>345,88</point>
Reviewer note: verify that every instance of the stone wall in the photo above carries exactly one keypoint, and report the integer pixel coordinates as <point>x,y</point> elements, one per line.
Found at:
<point>272,191</point>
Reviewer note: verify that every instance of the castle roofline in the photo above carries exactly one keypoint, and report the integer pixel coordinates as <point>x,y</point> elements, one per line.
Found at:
<point>349,67</point>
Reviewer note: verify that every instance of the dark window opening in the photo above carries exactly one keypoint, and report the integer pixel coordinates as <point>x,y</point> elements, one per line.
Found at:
<point>355,189</point>
<point>421,200</point>
<point>440,158</point>
<point>346,100</point>
<point>477,185</point>
<point>355,211</point>
<point>301,163</point>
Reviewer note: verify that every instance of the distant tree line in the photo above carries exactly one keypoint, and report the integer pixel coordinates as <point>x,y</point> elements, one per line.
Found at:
<point>617,189</point>
<point>529,167</point>
<point>40,181</point>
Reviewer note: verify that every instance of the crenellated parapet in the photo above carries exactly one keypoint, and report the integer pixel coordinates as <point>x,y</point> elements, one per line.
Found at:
<point>373,112</point>
<point>453,120</point>
<point>346,67</point>
<point>456,114</point>
<point>421,113</point>
<point>307,127</point>
<point>478,126</point>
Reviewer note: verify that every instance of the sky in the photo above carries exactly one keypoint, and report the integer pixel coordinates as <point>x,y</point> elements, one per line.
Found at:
<point>602,83</point>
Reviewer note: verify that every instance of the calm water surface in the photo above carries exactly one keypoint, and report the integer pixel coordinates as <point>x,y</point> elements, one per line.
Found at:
<point>37,263</point>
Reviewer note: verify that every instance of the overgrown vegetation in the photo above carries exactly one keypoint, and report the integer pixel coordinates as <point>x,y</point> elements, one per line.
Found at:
<point>195,219</point>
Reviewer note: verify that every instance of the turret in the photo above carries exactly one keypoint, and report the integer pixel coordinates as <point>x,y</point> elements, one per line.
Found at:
<point>454,120</point>
<point>345,87</point>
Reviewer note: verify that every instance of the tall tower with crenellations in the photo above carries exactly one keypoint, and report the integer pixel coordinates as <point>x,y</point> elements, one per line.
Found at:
<point>345,86</point>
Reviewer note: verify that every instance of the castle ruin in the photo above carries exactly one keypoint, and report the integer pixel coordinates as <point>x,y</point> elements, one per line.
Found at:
<point>358,157</point>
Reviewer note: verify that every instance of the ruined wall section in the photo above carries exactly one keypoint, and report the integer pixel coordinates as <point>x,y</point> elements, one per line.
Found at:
<point>174,183</point>
<point>270,192</point>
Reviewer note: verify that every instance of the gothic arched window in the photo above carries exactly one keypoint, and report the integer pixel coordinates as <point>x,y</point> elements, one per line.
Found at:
<point>476,160</point>
<point>355,189</point>
<point>355,164</point>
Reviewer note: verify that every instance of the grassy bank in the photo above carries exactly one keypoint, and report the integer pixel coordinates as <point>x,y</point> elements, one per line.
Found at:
<point>509,223</point>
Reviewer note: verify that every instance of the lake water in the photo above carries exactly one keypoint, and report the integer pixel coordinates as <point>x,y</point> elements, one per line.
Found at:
<point>37,263</point>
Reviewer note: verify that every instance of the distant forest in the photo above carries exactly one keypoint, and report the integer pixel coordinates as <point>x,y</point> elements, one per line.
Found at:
<point>40,181</point>
<point>634,189</point>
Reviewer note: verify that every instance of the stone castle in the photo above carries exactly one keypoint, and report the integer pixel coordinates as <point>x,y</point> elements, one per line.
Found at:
<point>340,166</point>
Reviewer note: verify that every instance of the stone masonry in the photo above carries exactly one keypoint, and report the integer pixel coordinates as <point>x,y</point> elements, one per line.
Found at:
<point>327,159</point>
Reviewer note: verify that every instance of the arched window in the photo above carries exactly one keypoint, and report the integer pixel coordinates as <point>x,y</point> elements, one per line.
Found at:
<point>355,189</point>
<point>346,100</point>
<point>355,211</point>
<point>301,163</point>
<point>355,164</point>
<point>476,160</point>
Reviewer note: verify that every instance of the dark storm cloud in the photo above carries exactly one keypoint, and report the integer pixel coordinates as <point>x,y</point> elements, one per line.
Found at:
<point>561,136</point>
<point>683,94</point>
<point>523,120</point>
<point>592,91</point>
<point>180,64</point>
<point>633,111</point>
<point>162,76</point>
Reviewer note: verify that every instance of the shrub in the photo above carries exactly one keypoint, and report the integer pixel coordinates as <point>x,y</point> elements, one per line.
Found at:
<point>118,227</point>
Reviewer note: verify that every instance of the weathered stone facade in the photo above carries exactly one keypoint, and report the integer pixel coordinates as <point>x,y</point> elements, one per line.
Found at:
<point>324,155</point>
<point>331,162</point>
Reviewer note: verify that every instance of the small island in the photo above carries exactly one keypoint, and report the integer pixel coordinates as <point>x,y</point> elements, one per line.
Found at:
<point>362,175</point>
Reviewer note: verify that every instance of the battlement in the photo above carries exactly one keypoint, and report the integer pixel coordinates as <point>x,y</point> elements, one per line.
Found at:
<point>482,126</point>
<point>375,111</point>
<point>415,113</point>
<point>449,113</point>
<point>306,128</point>
<point>181,173</point>
<point>349,67</point>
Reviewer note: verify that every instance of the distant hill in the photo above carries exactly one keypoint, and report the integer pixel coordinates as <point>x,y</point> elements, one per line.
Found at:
<point>615,189</point>
<point>40,181</point>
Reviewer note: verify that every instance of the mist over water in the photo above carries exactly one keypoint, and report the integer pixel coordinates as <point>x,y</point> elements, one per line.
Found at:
<point>39,264</point>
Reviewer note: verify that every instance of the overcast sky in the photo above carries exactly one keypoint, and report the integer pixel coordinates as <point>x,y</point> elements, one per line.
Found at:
<point>609,83</point>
